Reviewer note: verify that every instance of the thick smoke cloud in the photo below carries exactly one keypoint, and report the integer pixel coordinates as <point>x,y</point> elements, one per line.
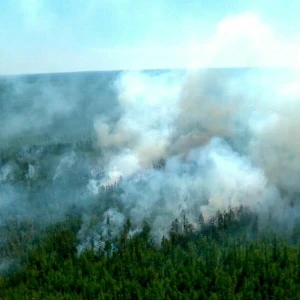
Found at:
<point>142,135</point>
<point>208,179</point>
<point>156,146</point>
<point>227,141</point>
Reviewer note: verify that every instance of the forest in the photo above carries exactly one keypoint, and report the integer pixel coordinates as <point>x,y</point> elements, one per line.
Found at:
<point>129,185</point>
<point>228,256</point>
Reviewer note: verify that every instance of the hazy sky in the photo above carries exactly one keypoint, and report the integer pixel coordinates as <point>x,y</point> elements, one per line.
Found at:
<point>71,35</point>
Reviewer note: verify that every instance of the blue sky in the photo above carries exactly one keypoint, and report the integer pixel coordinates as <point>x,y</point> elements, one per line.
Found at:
<point>38,36</point>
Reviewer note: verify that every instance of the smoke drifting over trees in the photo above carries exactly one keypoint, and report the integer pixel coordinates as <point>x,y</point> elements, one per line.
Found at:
<point>149,145</point>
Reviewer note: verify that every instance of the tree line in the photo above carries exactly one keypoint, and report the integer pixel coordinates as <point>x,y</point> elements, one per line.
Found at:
<point>226,257</point>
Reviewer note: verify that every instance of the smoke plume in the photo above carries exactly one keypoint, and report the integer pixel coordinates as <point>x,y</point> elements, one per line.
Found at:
<point>153,146</point>
<point>225,141</point>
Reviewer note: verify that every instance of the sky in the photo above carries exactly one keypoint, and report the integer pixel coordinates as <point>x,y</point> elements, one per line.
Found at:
<point>44,36</point>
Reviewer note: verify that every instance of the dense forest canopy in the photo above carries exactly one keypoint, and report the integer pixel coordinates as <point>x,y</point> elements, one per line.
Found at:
<point>228,257</point>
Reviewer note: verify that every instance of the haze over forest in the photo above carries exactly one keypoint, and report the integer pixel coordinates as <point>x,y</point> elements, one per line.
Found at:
<point>149,150</point>
<point>173,142</point>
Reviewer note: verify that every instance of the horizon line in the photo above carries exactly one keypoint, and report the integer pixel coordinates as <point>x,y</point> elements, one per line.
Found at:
<point>145,70</point>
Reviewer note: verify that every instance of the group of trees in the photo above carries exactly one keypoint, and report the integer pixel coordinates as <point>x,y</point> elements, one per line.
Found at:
<point>227,258</point>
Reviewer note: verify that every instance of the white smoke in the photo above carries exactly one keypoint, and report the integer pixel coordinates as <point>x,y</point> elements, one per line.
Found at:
<point>208,179</point>
<point>177,143</point>
<point>149,106</point>
<point>224,146</point>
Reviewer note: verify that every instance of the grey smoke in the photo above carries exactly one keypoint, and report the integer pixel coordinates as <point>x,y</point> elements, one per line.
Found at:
<point>227,141</point>
<point>228,138</point>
